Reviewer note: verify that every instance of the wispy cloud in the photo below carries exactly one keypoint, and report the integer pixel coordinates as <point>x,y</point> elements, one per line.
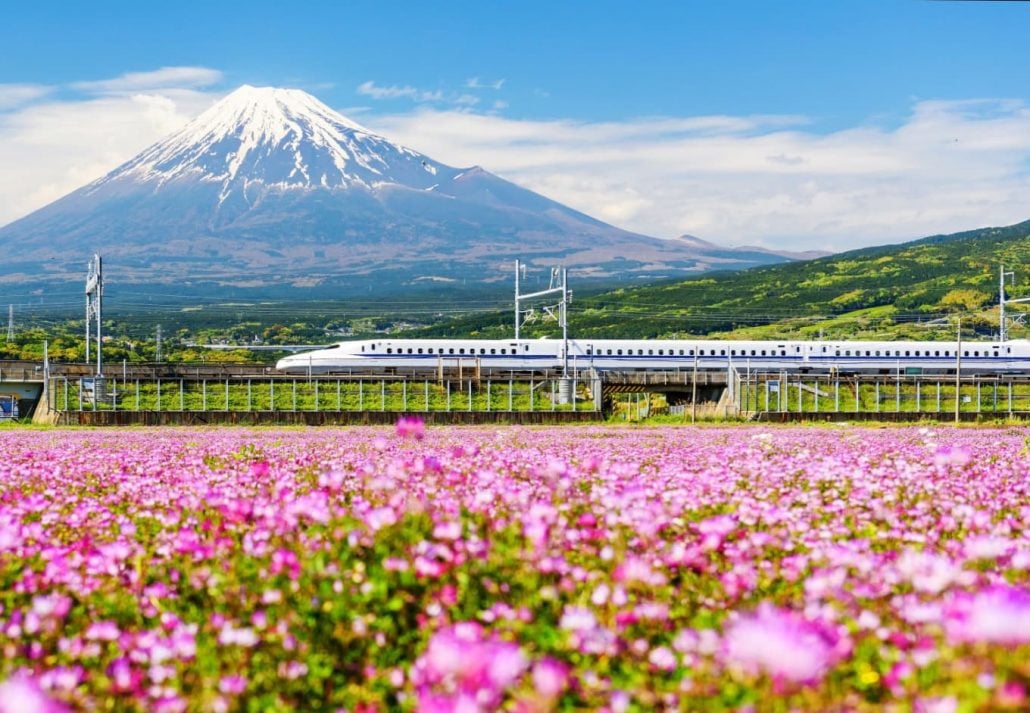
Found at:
<point>477,83</point>
<point>13,95</point>
<point>769,180</point>
<point>371,89</point>
<point>163,78</point>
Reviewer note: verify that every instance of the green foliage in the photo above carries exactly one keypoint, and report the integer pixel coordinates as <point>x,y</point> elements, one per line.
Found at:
<point>883,292</point>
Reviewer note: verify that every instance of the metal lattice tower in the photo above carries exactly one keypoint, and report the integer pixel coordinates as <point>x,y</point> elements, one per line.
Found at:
<point>1004,318</point>
<point>157,350</point>
<point>559,284</point>
<point>94,307</point>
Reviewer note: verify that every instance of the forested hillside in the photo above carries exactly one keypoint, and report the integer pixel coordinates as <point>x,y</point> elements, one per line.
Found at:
<point>907,290</point>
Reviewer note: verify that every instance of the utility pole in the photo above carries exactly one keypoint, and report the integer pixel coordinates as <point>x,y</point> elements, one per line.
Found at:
<point>958,369</point>
<point>518,317</point>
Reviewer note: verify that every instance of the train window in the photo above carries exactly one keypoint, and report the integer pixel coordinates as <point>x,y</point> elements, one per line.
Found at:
<point>609,352</point>
<point>525,347</point>
<point>722,352</point>
<point>482,350</point>
<point>619,352</point>
<point>650,352</point>
<point>493,351</point>
<point>389,350</point>
<point>965,353</point>
<point>763,352</point>
<point>783,352</point>
<point>420,350</point>
<point>847,353</point>
<point>461,350</point>
<point>503,350</point>
<point>937,352</point>
<point>906,353</point>
<point>897,352</point>
<point>733,352</point>
<point>877,353</point>
<point>430,350</point>
<point>976,353</point>
<point>451,350</point>
<point>836,353</point>
<point>362,348</point>
<point>661,352</point>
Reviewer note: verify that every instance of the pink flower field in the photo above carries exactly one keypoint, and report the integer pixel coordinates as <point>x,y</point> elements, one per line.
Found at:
<point>524,569</point>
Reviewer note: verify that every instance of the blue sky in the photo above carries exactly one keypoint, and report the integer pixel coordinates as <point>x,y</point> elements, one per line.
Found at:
<point>755,103</point>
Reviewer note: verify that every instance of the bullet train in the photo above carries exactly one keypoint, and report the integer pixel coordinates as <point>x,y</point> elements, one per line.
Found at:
<point>408,356</point>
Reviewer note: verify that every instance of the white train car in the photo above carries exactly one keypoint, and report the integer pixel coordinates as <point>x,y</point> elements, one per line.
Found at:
<point>378,356</point>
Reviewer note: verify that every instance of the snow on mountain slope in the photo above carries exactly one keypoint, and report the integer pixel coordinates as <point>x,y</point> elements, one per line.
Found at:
<point>279,137</point>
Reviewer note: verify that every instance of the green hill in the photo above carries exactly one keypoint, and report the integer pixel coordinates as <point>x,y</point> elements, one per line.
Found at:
<point>895,291</point>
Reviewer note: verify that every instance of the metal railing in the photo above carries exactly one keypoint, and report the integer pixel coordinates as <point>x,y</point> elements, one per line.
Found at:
<point>320,394</point>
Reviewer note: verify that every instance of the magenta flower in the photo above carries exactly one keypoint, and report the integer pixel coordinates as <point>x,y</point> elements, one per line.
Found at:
<point>550,677</point>
<point>411,427</point>
<point>956,456</point>
<point>781,644</point>
<point>22,695</point>
<point>999,615</point>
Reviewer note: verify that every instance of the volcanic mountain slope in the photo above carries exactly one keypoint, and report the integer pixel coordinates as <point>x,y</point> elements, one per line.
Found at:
<point>271,186</point>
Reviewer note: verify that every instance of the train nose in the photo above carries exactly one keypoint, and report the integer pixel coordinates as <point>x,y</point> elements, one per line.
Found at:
<point>286,363</point>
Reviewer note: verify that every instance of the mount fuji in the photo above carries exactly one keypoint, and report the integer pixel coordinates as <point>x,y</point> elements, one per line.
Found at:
<point>270,188</point>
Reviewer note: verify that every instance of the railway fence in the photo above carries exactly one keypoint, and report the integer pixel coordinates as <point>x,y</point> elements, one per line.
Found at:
<point>899,396</point>
<point>277,398</point>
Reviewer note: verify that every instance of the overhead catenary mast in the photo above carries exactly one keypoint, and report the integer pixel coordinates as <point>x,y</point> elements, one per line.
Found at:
<point>559,285</point>
<point>94,307</point>
<point>1003,319</point>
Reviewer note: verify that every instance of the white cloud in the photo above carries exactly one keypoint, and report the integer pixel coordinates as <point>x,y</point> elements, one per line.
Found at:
<point>12,95</point>
<point>767,180</point>
<point>163,78</point>
<point>477,83</point>
<point>52,148</point>
<point>371,89</point>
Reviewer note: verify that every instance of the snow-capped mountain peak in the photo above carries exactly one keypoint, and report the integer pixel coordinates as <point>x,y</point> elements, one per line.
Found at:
<point>272,187</point>
<point>259,138</point>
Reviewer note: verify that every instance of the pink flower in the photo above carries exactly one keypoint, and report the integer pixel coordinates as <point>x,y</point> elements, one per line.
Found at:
<point>232,685</point>
<point>998,615</point>
<point>123,677</point>
<point>23,695</point>
<point>102,631</point>
<point>381,517</point>
<point>550,677</point>
<point>956,456</point>
<point>781,644</point>
<point>577,619</point>
<point>662,658</point>
<point>411,427</point>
